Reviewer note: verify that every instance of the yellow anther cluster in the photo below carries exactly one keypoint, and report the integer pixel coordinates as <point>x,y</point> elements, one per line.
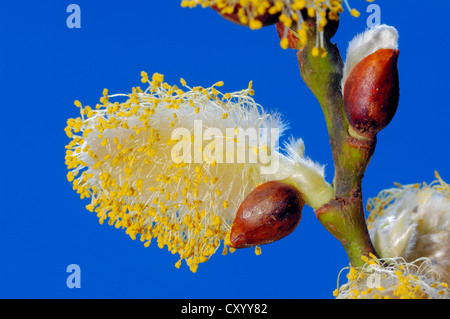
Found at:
<point>120,157</point>
<point>393,278</point>
<point>252,13</point>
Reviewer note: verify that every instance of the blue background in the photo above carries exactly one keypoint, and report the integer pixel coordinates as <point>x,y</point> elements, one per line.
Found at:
<point>45,66</point>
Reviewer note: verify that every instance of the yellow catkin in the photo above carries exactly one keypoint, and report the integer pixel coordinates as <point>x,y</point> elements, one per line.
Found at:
<point>289,11</point>
<point>117,158</point>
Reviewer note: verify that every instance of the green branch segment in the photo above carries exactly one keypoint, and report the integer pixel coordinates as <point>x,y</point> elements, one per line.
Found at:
<point>343,216</point>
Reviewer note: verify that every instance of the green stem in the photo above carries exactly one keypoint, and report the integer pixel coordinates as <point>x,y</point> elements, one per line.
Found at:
<point>344,215</point>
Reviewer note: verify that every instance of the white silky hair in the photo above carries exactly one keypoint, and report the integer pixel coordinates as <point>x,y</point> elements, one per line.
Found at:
<point>307,175</point>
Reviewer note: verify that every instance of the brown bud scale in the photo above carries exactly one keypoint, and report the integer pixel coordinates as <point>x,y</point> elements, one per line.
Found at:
<point>270,212</point>
<point>371,92</point>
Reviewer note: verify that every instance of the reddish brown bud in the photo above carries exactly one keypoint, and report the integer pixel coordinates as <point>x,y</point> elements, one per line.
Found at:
<point>371,92</point>
<point>270,212</point>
